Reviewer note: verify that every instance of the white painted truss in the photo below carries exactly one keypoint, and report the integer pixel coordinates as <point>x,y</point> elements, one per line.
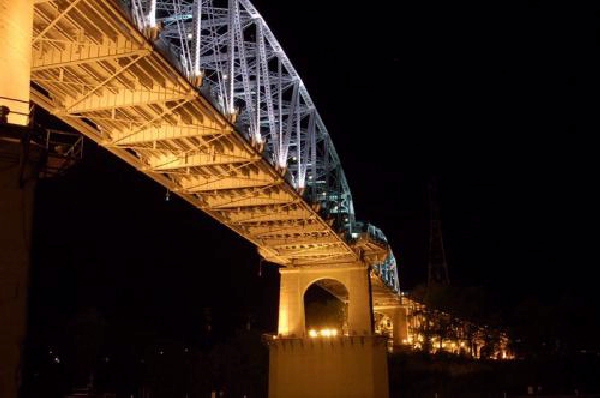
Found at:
<point>244,70</point>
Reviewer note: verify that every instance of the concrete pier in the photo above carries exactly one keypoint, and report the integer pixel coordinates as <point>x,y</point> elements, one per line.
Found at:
<point>328,367</point>
<point>351,363</point>
<point>18,175</point>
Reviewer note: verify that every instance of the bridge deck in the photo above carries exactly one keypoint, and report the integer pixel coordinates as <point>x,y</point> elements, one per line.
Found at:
<point>93,69</point>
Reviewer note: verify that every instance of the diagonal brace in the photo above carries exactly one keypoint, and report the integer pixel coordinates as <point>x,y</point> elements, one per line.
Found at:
<point>55,21</point>
<point>106,81</point>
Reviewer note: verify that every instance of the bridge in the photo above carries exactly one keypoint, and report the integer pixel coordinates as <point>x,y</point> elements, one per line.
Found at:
<point>201,97</point>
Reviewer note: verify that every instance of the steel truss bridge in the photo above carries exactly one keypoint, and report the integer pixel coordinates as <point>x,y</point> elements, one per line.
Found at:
<point>200,96</point>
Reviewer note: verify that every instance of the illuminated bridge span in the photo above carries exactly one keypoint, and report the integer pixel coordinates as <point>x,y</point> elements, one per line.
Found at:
<point>200,96</point>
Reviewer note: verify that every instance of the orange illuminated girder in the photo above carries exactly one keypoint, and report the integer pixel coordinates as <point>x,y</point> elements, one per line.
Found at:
<point>93,65</point>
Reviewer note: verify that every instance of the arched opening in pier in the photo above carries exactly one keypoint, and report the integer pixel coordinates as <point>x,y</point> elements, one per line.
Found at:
<point>326,308</point>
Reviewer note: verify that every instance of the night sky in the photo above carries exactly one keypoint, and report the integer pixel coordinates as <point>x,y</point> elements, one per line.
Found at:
<point>497,100</point>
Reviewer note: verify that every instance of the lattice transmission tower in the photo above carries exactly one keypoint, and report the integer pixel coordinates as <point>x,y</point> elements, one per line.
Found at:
<point>437,264</point>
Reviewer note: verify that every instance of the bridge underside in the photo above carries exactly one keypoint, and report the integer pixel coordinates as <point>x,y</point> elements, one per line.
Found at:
<point>94,70</point>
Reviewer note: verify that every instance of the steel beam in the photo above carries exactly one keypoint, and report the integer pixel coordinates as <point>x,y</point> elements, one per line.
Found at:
<point>259,231</point>
<point>80,53</point>
<point>258,199</point>
<point>166,132</point>
<point>273,215</point>
<point>197,159</point>
<point>300,241</point>
<point>199,184</point>
<point>121,98</point>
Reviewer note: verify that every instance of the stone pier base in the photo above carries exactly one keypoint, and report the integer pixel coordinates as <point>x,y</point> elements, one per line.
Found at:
<point>328,367</point>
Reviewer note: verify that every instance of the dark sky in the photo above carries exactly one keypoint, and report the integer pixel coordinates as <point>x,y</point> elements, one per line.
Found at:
<point>498,100</point>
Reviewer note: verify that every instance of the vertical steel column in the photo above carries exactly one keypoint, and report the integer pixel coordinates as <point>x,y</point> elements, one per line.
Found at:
<point>302,160</point>
<point>279,92</point>
<point>326,167</point>
<point>151,18</point>
<point>312,134</point>
<point>257,68</point>
<point>294,107</point>
<point>231,51</point>
<point>197,36</point>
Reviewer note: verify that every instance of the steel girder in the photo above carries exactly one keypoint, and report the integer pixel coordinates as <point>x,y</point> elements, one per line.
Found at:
<point>120,87</point>
<point>210,106</point>
<point>247,73</point>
